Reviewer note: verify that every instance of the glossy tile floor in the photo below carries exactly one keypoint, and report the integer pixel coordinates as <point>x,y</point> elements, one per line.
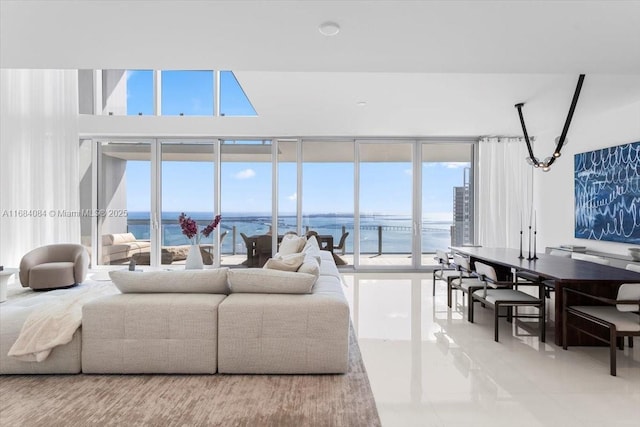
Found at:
<point>428,366</point>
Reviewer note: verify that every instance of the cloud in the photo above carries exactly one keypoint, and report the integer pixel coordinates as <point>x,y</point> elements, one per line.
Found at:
<point>456,165</point>
<point>409,172</point>
<point>448,165</point>
<point>294,196</point>
<point>245,174</point>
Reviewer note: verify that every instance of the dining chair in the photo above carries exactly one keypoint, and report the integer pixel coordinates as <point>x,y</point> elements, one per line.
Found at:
<point>263,250</point>
<point>618,315</point>
<point>343,240</point>
<point>501,295</point>
<point>251,260</point>
<point>465,282</point>
<point>340,247</point>
<point>445,271</point>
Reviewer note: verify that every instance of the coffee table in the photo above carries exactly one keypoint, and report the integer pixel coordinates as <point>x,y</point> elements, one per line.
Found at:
<point>5,275</point>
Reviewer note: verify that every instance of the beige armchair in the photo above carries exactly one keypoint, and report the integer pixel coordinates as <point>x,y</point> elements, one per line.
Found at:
<point>54,266</point>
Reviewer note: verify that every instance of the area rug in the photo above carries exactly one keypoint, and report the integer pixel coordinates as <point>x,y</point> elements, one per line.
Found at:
<point>191,400</point>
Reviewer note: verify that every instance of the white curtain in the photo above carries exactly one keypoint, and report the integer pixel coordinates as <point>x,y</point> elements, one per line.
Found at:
<point>38,161</point>
<point>504,193</point>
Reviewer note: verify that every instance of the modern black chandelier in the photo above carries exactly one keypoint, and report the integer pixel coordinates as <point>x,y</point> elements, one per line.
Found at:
<point>545,164</point>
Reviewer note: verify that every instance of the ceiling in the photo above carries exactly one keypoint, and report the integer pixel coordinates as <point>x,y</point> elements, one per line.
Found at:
<point>424,68</point>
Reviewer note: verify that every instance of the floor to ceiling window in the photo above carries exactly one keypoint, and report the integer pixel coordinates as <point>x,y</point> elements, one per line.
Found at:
<point>288,186</point>
<point>386,203</point>
<point>124,206</point>
<point>246,201</point>
<point>447,197</point>
<point>395,202</point>
<point>327,192</point>
<point>187,177</point>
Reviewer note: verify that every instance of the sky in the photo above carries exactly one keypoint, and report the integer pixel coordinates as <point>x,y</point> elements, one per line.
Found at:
<point>385,187</point>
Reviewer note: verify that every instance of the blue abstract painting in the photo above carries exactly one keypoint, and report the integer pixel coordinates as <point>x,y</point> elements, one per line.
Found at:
<point>607,194</point>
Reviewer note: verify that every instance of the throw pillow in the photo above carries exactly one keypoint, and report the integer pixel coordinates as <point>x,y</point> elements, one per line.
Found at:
<point>213,281</point>
<point>312,248</point>
<point>285,263</point>
<point>261,281</point>
<point>291,244</point>
<point>310,266</point>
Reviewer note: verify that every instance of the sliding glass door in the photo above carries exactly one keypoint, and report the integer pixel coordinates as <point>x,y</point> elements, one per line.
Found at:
<point>123,213</point>
<point>447,197</point>
<point>385,204</point>
<point>246,200</point>
<point>188,180</point>
<point>287,186</point>
<point>380,204</point>
<point>327,195</point>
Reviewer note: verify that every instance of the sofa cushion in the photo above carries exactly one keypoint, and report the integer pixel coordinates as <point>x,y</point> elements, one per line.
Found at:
<point>291,244</point>
<point>265,281</point>
<point>310,266</point>
<point>312,248</point>
<point>117,238</point>
<point>285,262</point>
<point>210,281</point>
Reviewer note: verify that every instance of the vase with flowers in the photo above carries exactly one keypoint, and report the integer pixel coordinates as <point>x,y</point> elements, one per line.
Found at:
<point>190,229</point>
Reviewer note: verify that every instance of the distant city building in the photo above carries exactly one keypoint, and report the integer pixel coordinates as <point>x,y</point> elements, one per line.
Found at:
<point>462,232</point>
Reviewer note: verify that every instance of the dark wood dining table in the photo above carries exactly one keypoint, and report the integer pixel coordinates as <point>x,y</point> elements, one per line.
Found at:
<point>592,278</point>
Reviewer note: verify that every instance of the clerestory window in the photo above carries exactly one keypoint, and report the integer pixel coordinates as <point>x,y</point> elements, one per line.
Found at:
<point>166,93</point>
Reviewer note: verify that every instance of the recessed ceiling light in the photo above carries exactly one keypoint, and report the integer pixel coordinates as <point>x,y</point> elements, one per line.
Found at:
<point>361,103</point>
<point>329,28</point>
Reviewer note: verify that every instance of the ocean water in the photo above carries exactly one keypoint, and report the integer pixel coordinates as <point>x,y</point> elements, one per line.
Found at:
<point>395,230</point>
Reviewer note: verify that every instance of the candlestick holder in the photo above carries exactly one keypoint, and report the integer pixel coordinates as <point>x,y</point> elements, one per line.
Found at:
<point>521,257</point>
<point>529,257</point>
<point>535,252</point>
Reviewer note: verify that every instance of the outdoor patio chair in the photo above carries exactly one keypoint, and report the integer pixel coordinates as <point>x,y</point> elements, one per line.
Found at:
<point>341,245</point>
<point>251,260</point>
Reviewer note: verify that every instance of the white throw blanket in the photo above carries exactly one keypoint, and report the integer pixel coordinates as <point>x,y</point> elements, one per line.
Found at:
<point>55,322</point>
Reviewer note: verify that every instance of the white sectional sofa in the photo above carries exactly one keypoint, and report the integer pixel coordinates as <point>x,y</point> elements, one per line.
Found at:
<point>244,321</point>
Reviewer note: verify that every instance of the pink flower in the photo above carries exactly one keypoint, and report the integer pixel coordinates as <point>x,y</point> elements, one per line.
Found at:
<point>190,227</point>
<point>209,228</point>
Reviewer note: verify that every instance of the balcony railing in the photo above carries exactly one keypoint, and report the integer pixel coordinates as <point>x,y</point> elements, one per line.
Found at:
<point>374,238</point>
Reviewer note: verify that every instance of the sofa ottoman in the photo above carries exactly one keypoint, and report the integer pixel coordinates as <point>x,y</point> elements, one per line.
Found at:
<point>169,333</point>
<point>285,334</point>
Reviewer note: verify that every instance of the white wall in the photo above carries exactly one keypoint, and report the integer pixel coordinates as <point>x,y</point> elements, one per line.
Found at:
<point>554,190</point>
